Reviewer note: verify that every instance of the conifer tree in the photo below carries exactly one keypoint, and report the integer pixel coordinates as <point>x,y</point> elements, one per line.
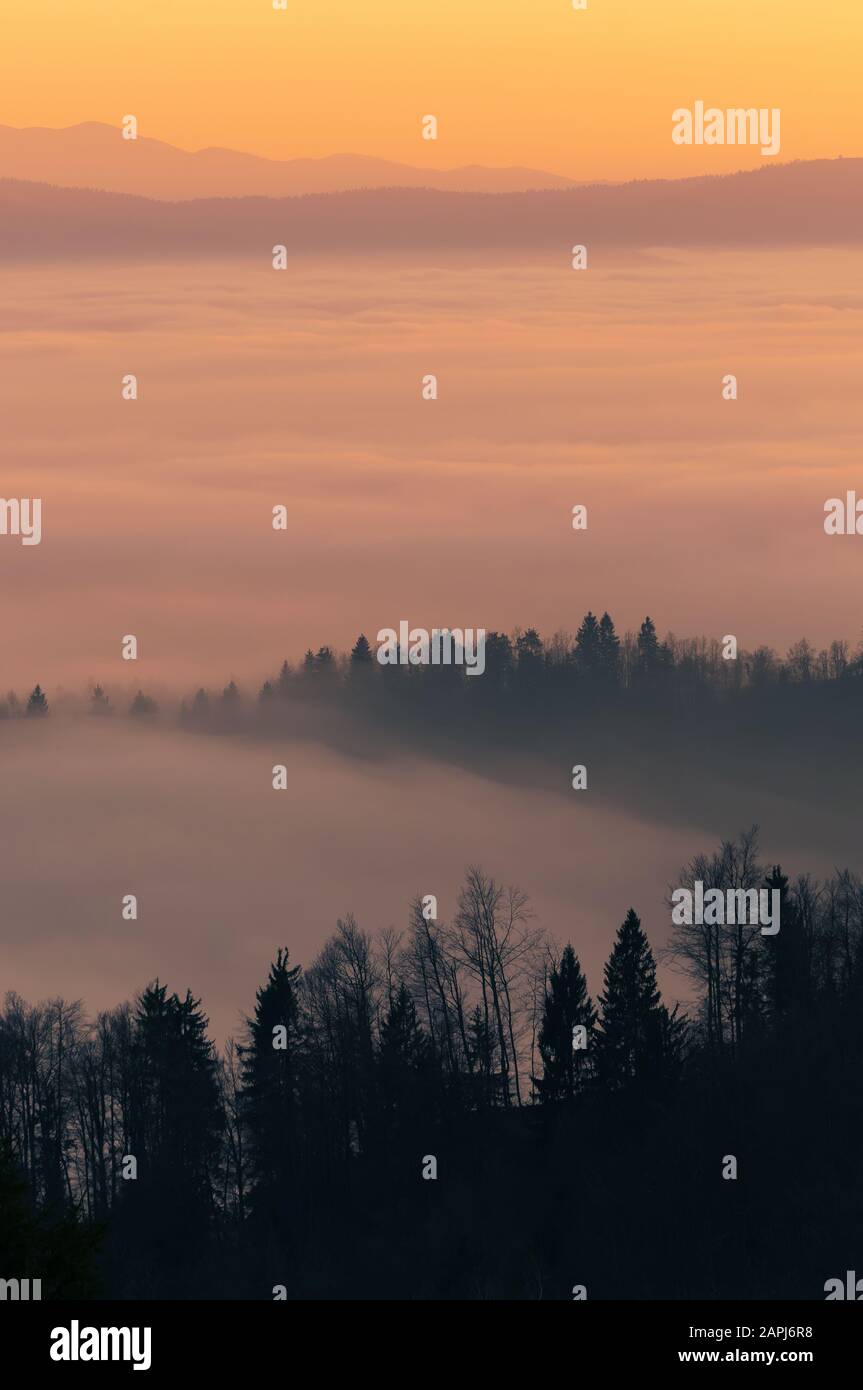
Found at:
<point>178,1096</point>
<point>143,706</point>
<point>530,653</point>
<point>99,702</point>
<point>567,1007</point>
<point>481,1056</point>
<point>633,1030</point>
<point>324,667</point>
<point>173,1122</point>
<point>404,1061</point>
<point>270,1077</point>
<point>201,705</point>
<point>361,666</point>
<point>498,663</point>
<point>648,647</point>
<point>587,646</point>
<point>361,652</point>
<point>37,705</point>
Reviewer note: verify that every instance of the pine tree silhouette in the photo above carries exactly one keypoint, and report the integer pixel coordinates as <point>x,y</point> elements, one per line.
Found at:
<point>648,648</point>
<point>499,663</point>
<point>37,705</point>
<point>631,1031</point>
<point>99,702</point>
<point>270,1075</point>
<point>174,1121</point>
<point>588,646</point>
<point>609,650</point>
<point>143,706</point>
<point>404,1062</point>
<point>361,652</point>
<point>567,1006</point>
<point>201,705</point>
<point>481,1056</point>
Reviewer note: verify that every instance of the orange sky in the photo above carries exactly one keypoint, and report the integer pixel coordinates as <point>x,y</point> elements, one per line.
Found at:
<point>587,94</point>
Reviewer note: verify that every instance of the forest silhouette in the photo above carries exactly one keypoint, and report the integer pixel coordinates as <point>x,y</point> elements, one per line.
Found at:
<point>298,1158</point>
<point>594,672</point>
<point>666,727</point>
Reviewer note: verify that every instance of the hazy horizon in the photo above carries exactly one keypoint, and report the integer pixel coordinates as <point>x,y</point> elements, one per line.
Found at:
<point>588,95</point>
<point>94,155</point>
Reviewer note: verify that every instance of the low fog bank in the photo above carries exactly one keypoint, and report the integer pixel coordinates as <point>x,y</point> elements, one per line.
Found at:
<point>225,868</point>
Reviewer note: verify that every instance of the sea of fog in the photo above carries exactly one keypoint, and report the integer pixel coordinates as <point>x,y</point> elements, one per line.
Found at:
<point>303,389</point>
<point>225,869</point>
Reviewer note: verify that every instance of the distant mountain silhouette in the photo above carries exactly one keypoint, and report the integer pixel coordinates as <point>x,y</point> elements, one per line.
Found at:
<point>805,203</point>
<point>94,155</point>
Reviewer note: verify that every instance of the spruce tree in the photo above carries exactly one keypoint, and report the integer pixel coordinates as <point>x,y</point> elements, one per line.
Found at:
<point>201,705</point>
<point>143,706</point>
<point>531,663</point>
<point>481,1056</point>
<point>361,667</point>
<point>271,1075</point>
<point>648,647</point>
<point>587,646</point>
<point>634,1027</point>
<point>174,1121</point>
<point>404,1062</point>
<point>498,663</point>
<point>361,652</point>
<point>178,1100</point>
<point>567,1006</point>
<point>99,702</point>
<point>37,705</point>
<point>324,662</point>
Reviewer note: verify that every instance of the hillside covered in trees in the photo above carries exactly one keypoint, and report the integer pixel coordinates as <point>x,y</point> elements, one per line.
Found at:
<point>523,671</point>
<point>453,1111</point>
<point>671,730</point>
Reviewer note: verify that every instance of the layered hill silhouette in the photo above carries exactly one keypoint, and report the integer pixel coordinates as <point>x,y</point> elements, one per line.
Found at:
<point>95,155</point>
<point>813,202</point>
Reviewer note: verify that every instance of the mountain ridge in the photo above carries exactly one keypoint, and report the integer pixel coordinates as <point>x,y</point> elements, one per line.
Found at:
<point>805,202</point>
<point>94,155</point>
